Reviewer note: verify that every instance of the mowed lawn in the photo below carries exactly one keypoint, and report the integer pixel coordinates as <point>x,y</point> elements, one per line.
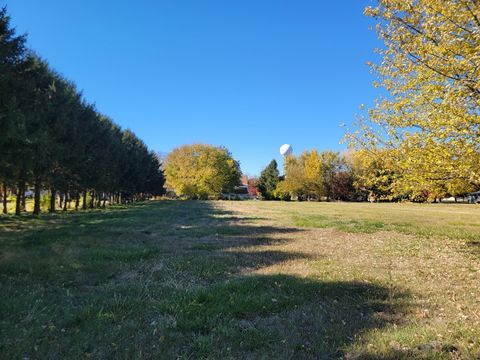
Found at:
<point>243,280</point>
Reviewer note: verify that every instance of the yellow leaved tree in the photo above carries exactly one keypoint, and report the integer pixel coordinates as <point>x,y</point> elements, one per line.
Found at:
<point>431,70</point>
<point>201,171</point>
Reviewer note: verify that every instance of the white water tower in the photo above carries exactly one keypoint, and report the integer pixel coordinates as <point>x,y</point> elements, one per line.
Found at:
<point>286,150</point>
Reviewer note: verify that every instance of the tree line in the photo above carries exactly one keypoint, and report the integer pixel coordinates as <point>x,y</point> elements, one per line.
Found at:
<point>313,175</point>
<point>421,140</point>
<point>356,175</point>
<point>52,139</point>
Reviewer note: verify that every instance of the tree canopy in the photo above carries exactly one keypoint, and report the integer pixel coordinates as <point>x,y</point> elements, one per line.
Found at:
<point>201,171</point>
<point>316,176</point>
<point>430,118</point>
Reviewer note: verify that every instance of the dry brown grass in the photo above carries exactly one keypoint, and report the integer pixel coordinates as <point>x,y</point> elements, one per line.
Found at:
<point>441,272</point>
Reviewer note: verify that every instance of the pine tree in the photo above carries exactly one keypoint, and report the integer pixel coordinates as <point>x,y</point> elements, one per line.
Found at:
<point>269,178</point>
<point>12,51</point>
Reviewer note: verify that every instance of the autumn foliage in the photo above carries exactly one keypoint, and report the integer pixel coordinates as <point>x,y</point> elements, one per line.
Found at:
<point>201,171</point>
<point>428,125</point>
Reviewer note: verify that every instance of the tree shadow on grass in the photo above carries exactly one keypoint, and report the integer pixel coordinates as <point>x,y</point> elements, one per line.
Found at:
<point>473,247</point>
<point>100,242</point>
<point>213,267</point>
<point>278,316</point>
<point>180,219</point>
<point>228,315</point>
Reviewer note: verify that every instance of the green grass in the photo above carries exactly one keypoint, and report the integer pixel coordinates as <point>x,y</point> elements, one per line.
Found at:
<point>455,221</point>
<point>348,225</point>
<point>231,280</point>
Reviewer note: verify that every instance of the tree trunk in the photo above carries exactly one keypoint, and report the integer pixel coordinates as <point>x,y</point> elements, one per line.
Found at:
<point>92,199</point>
<point>36,204</point>
<point>52,200</point>
<point>65,201</point>
<point>60,200</point>
<point>23,205</point>
<point>5,200</point>
<point>18,201</point>
<point>84,204</point>
<point>104,202</point>
<point>77,201</point>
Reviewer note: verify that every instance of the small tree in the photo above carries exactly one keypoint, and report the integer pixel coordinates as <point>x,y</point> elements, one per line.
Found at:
<point>269,178</point>
<point>252,186</point>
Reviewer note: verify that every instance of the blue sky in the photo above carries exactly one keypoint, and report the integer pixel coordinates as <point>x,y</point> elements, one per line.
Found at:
<point>249,75</point>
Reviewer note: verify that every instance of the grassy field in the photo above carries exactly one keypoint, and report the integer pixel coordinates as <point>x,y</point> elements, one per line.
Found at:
<point>243,280</point>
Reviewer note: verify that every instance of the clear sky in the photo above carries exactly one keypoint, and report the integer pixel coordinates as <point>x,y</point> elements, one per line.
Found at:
<point>249,75</point>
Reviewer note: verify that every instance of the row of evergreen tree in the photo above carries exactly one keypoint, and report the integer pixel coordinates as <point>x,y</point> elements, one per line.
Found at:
<point>52,140</point>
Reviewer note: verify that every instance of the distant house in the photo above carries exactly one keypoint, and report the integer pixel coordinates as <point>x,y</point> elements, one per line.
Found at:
<point>247,190</point>
<point>244,180</point>
<point>239,193</point>
<point>170,193</point>
<point>474,198</point>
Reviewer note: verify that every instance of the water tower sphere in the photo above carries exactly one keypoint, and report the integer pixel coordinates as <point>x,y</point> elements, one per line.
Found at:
<point>286,150</point>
